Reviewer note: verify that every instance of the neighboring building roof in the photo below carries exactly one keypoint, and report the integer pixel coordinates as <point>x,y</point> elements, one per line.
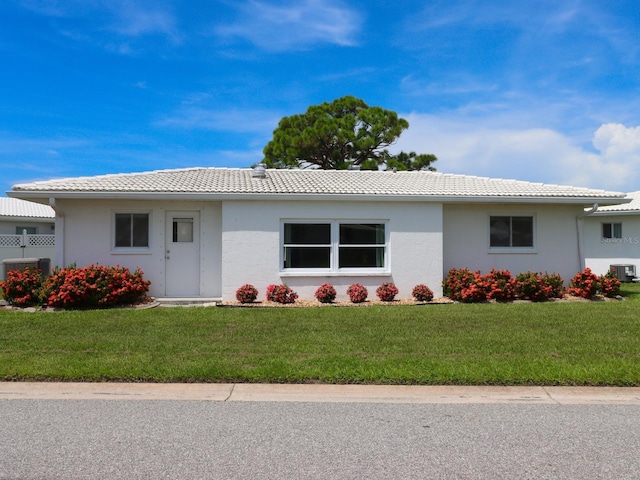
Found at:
<point>241,183</point>
<point>632,207</point>
<point>16,208</point>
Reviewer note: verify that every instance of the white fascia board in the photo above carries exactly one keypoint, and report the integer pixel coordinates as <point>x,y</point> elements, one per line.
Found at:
<point>14,218</point>
<point>120,195</point>
<point>614,213</point>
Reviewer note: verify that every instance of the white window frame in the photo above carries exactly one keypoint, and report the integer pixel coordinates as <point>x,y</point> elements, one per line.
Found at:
<point>505,249</point>
<point>130,249</point>
<point>334,254</point>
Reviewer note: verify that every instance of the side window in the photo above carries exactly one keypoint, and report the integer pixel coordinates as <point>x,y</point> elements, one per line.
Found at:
<point>511,231</point>
<point>30,230</point>
<point>131,230</point>
<point>612,230</point>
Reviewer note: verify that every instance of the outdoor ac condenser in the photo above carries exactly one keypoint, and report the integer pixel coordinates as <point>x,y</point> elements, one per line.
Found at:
<point>624,273</point>
<point>42,264</point>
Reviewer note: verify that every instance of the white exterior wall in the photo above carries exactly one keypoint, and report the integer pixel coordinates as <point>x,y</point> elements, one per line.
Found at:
<point>466,239</point>
<point>42,228</point>
<point>84,235</point>
<point>252,245</point>
<point>601,253</point>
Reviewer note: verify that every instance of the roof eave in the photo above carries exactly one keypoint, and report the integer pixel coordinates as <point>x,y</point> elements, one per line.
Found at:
<point>41,195</point>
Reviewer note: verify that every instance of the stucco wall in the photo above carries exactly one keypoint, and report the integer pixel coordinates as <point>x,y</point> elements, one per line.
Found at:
<point>466,239</point>
<point>87,229</point>
<point>251,239</point>
<point>601,253</point>
<point>42,228</point>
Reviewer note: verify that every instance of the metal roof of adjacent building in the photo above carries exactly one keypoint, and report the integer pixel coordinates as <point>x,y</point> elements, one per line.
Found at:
<point>16,208</point>
<point>242,183</point>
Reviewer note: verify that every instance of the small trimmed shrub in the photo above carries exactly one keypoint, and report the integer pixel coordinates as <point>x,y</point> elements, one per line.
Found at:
<point>387,292</point>
<point>22,288</point>
<point>609,284</point>
<point>281,294</point>
<point>585,284</point>
<point>357,293</point>
<point>246,293</point>
<point>422,293</point>
<point>325,293</point>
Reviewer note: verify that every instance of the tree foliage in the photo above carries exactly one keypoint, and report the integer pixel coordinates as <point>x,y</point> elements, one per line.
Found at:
<point>338,134</point>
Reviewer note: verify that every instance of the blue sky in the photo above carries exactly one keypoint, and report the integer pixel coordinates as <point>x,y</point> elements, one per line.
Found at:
<point>545,91</point>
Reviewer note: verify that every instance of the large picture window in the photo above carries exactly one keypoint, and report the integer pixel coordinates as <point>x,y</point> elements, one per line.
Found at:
<point>511,231</point>
<point>131,230</point>
<point>334,245</point>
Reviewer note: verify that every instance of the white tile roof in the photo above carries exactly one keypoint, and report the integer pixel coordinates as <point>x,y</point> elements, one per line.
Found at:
<point>224,182</point>
<point>13,207</point>
<point>632,207</point>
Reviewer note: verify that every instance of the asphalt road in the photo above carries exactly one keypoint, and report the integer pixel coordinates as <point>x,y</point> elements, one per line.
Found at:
<point>157,439</point>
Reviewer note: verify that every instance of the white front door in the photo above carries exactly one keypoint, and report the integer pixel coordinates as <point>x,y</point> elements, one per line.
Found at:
<point>182,254</point>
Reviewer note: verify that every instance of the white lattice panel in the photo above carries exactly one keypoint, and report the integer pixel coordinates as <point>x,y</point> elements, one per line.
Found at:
<point>11,240</point>
<point>41,240</point>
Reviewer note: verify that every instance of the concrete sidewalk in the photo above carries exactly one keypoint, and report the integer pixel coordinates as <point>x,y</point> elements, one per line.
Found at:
<point>229,392</point>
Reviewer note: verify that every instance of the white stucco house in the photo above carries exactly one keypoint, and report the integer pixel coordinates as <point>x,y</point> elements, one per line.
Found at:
<point>204,232</point>
<point>26,230</point>
<point>612,237</point>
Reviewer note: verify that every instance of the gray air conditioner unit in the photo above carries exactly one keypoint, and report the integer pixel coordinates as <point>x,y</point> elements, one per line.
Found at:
<point>624,273</point>
<point>42,264</point>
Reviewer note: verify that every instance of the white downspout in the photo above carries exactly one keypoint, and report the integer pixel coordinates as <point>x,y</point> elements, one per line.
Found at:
<point>579,221</point>
<point>59,239</point>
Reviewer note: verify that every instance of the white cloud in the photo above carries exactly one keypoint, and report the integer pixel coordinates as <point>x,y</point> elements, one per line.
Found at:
<point>131,19</point>
<point>530,154</point>
<point>234,120</point>
<point>124,18</point>
<point>294,26</point>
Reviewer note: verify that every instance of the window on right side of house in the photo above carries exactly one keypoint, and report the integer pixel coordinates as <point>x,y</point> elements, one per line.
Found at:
<point>511,231</point>
<point>612,230</point>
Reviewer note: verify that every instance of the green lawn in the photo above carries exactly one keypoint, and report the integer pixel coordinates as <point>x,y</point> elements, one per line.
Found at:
<point>565,343</point>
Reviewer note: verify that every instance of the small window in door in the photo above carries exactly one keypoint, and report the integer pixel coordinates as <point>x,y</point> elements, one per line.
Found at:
<point>183,230</point>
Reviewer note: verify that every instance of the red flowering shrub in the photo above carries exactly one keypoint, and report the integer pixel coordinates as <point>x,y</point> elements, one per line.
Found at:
<point>422,293</point>
<point>500,285</point>
<point>95,286</point>
<point>281,294</point>
<point>585,284</point>
<point>556,283</point>
<point>538,287</point>
<point>357,293</point>
<point>246,293</point>
<point>609,284</point>
<point>22,287</point>
<point>387,292</point>
<point>463,285</point>
<point>326,293</point>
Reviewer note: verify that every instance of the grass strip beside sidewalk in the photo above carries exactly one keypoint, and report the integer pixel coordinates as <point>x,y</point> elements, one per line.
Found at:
<point>566,343</point>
